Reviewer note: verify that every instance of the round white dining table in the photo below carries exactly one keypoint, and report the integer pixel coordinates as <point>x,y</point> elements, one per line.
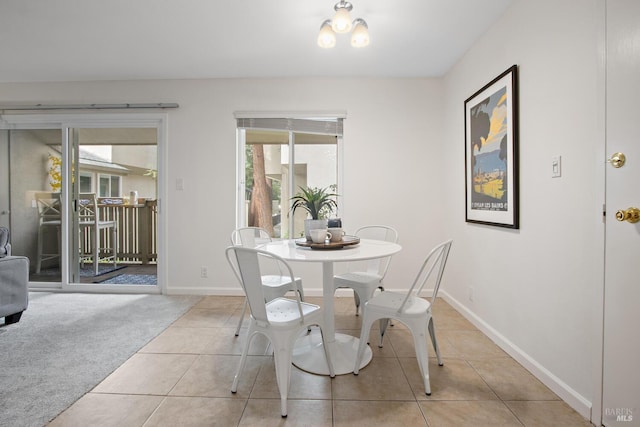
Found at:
<point>309,353</point>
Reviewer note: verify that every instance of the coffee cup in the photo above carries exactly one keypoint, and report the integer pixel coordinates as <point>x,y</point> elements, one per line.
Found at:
<point>334,223</point>
<point>336,234</point>
<point>320,235</point>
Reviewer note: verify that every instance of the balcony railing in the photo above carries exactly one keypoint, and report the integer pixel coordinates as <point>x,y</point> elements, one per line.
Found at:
<point>137,230</point>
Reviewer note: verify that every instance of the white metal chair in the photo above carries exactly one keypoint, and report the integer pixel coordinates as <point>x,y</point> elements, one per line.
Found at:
<point>49,216</point>
<point>365,279</point>
<point>410,309</point>
<point>281,320</point>
<point>89,218</point>
<point>276,285</point>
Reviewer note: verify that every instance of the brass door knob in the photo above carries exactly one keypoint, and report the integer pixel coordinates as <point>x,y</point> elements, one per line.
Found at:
<point>629,215</point>
<point>617,160</point>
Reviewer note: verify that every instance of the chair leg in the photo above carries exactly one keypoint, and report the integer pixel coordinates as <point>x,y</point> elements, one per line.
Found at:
<point>432,333</point>
<point>243,360</point>
<point>244,310</point>
<point>39,260</point>
<point>389,321</point>
<point>365,330</point>
<point>282,356</point>
<point>419,332</point>
<point>383,328</point>
<point>327,356</point>
<point>114,245</point>
<point>361,299</point>
<point>96,250</point>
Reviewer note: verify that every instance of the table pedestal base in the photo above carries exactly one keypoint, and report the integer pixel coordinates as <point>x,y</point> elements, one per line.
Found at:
<point>309,356</point>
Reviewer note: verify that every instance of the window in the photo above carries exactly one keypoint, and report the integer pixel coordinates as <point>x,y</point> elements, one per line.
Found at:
<point>86,182</point>
<point>277,158</point>
<point>109,186</point>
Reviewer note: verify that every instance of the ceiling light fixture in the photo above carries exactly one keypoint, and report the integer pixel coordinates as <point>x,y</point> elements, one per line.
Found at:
<point>342,24</point>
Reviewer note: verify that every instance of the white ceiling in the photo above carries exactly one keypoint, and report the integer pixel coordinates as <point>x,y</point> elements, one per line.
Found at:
<point>79,40</point>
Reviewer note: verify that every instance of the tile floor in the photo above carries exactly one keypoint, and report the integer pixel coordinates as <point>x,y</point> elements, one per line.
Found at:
<point>183,378</point>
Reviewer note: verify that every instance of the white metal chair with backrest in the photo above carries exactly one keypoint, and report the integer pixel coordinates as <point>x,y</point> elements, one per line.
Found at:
<point>410,309</point>
<point>89,218</point>
<point>276,285</point>
<point>281,320</point>
<point>49,217</point>
<point>365,281</point>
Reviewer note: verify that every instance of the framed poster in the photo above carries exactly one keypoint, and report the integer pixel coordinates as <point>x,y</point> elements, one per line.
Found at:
<point>491,152</point>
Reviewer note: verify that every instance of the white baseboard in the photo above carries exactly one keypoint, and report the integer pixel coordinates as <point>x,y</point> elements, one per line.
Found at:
<point>559,387</point>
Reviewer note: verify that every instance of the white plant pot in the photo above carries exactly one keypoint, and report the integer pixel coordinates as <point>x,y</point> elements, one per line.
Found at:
<point>311,224</point>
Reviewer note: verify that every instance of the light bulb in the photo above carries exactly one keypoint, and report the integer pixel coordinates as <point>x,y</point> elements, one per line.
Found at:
<point>360,36</point>
<point>342,20</point>
<point>326,37</point>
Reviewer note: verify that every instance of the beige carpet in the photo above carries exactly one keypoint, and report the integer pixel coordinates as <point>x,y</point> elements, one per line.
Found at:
<point>65,344</point>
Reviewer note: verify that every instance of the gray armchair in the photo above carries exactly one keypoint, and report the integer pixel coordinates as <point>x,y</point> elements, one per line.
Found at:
<point>14,280</point>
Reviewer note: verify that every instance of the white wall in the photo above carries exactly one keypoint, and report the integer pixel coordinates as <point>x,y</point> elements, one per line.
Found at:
<point>392,158</point>
<point>534,287</point>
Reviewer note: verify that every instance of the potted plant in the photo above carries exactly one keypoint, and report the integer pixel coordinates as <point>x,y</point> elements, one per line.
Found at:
<point>318,202</point>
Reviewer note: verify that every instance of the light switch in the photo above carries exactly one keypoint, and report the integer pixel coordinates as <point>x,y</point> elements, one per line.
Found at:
<point>556,166</point>
<point>179,184</point>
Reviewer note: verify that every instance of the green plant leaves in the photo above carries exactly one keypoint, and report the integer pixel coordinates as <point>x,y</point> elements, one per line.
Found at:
<point>318,202</point>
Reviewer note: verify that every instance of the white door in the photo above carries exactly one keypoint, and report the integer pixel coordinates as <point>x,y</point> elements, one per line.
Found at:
<point>621,372</point>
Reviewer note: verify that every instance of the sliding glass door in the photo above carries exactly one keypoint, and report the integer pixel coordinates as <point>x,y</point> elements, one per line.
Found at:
<point>82,205</point>
<point>113,198</point>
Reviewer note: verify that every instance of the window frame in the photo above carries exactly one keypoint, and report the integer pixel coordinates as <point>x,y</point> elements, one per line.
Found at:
<point>88,175</point>
<point>243,118</point>
<point>109,177</point>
